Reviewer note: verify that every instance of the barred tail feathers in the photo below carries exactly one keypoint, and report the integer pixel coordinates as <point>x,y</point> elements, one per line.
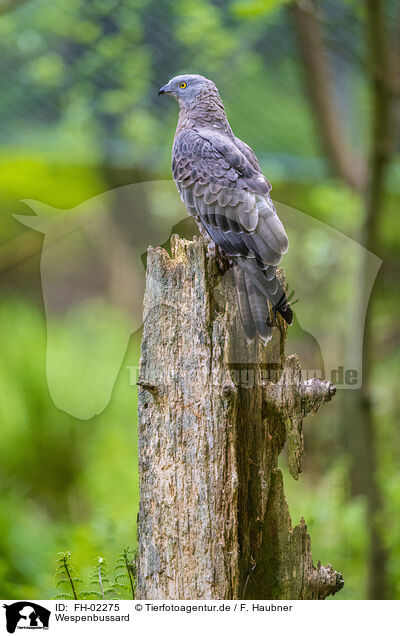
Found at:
<point>253,290</point>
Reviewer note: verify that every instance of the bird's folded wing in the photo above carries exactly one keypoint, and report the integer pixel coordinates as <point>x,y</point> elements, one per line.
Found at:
<point>230,197</point>
<point>250,156</point>
<point>237,159</point>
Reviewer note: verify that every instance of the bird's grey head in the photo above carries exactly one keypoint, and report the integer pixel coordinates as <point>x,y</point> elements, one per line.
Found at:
<point>189,89</point>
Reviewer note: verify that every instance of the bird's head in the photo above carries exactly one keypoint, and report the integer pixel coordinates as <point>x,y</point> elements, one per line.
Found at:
<point>189,89</point>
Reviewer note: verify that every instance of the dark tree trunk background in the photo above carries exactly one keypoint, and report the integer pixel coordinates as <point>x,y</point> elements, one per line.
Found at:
<point>214,415</point>
<point>367,175</point>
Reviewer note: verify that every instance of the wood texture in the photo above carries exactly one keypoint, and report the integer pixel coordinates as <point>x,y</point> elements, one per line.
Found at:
<point>214,414</point>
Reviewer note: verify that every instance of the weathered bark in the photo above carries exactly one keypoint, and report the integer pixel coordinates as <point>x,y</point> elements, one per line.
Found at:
<point>214,414</point>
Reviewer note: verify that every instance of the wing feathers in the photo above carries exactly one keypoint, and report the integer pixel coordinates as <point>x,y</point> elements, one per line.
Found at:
<point>270,226</point>
<point>221,183</point>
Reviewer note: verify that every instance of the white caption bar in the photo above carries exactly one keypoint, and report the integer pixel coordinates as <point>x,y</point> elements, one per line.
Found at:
<point>177,617</point>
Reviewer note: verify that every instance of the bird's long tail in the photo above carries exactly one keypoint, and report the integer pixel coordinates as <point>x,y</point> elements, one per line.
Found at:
<point>254,287</point>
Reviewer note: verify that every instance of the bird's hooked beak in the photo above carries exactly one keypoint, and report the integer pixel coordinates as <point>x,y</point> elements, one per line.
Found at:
<point>164,90</point>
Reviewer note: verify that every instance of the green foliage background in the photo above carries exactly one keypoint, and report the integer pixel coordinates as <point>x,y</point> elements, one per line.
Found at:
<point>80,115</point>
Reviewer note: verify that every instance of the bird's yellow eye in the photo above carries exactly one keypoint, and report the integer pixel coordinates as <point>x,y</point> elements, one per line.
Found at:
<point>182,85</point>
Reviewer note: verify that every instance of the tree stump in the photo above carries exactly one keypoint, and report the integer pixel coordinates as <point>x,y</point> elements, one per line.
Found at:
<point>214,415</point>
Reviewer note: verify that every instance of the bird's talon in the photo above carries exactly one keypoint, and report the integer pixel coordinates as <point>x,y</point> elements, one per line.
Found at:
<point>222,262</point>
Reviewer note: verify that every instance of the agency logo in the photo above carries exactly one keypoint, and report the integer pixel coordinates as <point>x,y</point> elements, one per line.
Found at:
<point>26,615</point>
